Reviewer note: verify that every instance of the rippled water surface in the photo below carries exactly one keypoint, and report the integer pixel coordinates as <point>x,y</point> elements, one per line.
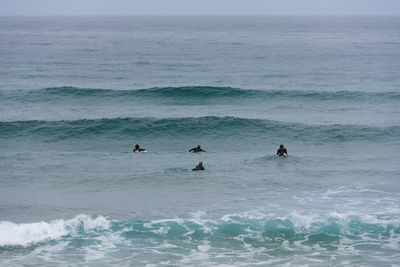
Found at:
<point>77,93</point>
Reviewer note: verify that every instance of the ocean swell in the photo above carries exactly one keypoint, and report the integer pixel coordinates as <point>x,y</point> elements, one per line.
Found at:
<point>210,126</point>
<point>192,93</point>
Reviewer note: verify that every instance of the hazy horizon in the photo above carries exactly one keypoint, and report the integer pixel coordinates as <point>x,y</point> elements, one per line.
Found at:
<point>201,15</point>
<point>204,8</point>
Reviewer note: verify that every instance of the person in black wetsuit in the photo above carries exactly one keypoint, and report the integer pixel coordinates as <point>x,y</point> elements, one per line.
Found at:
<point>282,151</point>
<point>196,149</point>
<point>137,149</point>
<point>199,167</point>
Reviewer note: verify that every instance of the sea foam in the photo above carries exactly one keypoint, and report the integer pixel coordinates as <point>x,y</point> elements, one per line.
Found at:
<point>25,234</point>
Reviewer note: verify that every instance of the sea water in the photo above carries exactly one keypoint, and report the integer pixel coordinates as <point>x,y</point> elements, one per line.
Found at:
<point>77,93</point>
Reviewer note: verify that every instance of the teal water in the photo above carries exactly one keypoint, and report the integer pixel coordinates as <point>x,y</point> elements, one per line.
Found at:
<point>77,93</point>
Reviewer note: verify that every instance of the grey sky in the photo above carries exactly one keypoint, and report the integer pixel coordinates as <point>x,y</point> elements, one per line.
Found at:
<point>200,7</point>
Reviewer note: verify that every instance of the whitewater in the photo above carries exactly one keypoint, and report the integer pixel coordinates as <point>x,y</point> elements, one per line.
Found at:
<point>77,93</point>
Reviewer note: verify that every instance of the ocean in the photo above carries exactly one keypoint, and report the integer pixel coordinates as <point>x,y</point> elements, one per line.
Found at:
<point>77,93</point>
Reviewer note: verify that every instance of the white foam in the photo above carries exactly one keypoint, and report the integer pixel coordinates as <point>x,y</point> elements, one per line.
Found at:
<point>197,219</point>
<point>200,254</point>
<point>177,220</point>
<point>301,222</point>
<point>246,215</point>
<point>205,247</point>
<point>24,234</point>
<point>168,245</point>
<point>161,231</point>
<point>88,223</point>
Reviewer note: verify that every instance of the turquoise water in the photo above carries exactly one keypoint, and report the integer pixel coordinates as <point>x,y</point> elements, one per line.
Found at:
<point>77,93</point>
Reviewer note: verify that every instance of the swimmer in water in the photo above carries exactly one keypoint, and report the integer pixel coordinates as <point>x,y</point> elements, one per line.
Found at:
<point>196,149</point>
<point>199,167</point>
<point>137,149</point>
<point>282,152</point>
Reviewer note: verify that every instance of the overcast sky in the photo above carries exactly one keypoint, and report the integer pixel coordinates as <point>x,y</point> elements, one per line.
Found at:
<point>200,7</point>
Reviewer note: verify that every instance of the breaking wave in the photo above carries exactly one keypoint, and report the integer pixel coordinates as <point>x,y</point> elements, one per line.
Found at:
<point>250,229</point>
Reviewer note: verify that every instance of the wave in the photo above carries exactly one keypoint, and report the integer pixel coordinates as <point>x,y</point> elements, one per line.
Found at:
<point>211,127</point>
<point>249,229</point>
<point>191,93</point>
<point>25,234</point>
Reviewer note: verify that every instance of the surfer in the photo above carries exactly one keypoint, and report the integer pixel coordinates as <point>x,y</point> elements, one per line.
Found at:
<point>137,149</point>
<point>196,149</point>
<point>282,151</point>
<point>199,167</point>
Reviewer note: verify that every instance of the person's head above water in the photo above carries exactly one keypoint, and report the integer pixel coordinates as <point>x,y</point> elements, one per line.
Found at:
<point>136,146</point>
<point>281,146</point>
<point>200,163</point>
<point>198,146</point>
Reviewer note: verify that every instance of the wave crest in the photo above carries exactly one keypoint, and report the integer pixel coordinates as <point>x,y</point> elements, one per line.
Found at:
<point>251,229</point>
<point>25,234</point>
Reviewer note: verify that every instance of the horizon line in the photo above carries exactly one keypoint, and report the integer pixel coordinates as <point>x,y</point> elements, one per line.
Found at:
<point>200,15</point>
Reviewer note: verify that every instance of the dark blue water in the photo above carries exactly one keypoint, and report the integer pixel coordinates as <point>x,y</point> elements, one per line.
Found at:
<point>77,93</point>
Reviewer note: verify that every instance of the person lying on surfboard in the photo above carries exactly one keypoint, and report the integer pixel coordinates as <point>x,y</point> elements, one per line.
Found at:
<point>137,149</point>
<point>282,151</point>
<point>199,167</point>
<point>196,149</point>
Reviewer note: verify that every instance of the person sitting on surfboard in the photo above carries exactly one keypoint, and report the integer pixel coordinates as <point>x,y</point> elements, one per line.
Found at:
<point>137,149</point>
<point>282,151</point>
<point>196,149</point>
<point>199,167</point>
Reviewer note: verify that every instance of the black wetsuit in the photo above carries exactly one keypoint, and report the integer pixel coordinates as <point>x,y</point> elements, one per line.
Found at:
<point>198,168</point>
<point>281,151</point>
<point>196,149</point>
<point>139,150</point>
